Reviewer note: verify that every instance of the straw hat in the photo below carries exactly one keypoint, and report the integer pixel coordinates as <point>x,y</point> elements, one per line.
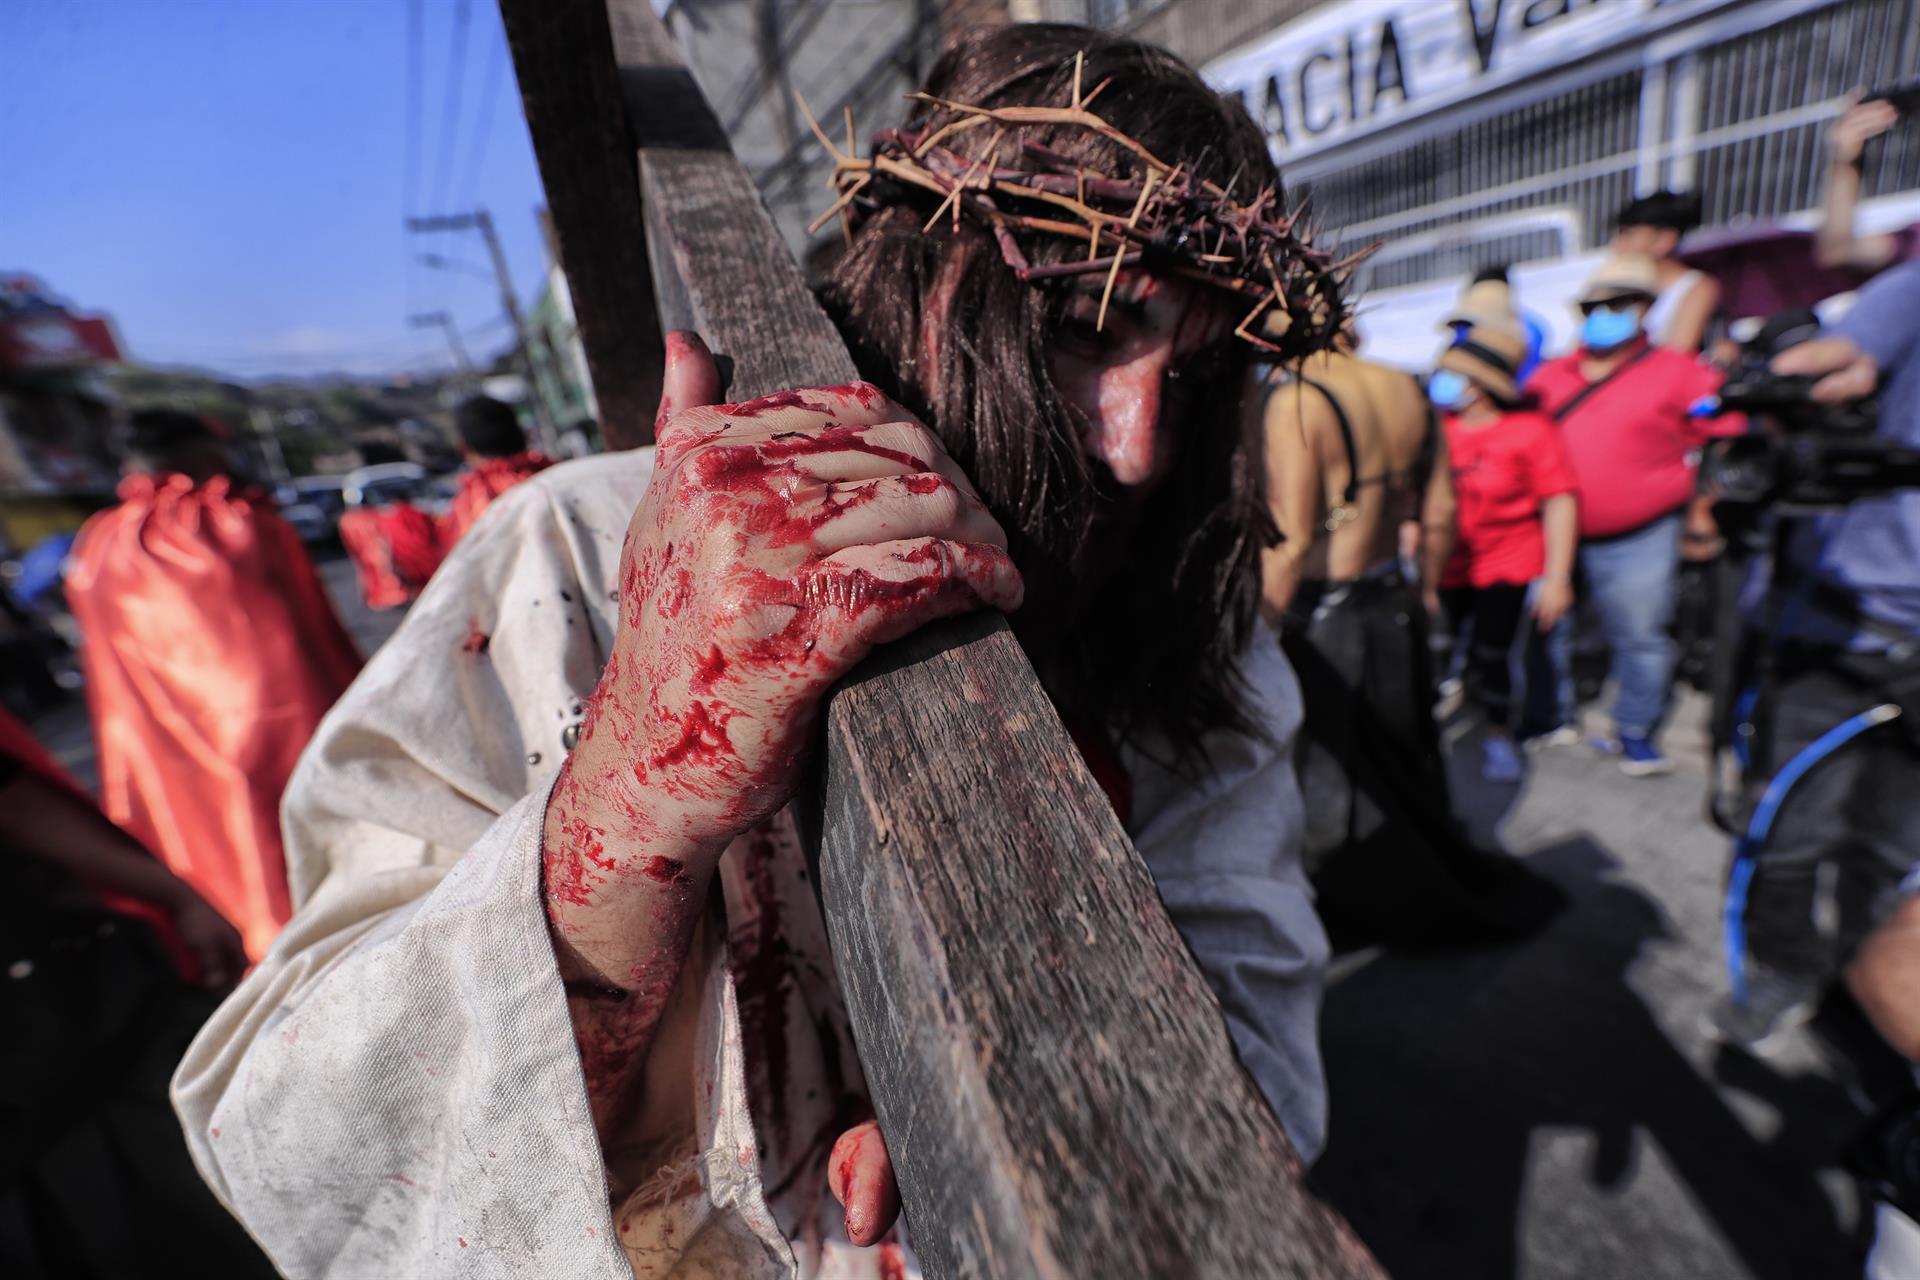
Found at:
<point>1483,302</point>
<point>1624,275</point>
<point>1488,357</point>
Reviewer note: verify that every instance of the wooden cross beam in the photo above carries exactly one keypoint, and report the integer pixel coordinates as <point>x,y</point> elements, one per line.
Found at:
<point>1051,1073</point>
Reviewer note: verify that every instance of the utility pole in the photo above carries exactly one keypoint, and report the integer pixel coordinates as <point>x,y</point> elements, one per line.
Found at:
<point>263,430</point>
<point>440,319</point>
<point>533,368</point>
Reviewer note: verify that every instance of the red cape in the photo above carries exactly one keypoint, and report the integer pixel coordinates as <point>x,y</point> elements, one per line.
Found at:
<point>487,480</point>
<point>395,548</point>
<point>211,653</point>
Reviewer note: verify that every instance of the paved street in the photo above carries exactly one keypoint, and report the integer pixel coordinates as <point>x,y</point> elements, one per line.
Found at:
<point>1549,1110</point>
<point>369,629</point>
<point>1552,1109</point>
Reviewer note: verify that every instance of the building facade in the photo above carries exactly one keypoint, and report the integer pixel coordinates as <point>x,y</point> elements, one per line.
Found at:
<point>1458,134</point>
<point>1451,134</point>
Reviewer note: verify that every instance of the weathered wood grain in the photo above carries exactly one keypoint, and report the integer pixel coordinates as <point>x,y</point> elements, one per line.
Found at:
<point>563,58</point>
<point>1051,1073</point>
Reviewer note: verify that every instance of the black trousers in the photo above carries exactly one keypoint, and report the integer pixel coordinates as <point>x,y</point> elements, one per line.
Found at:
<point>95,1179</point>
<point>1847,833</point>
<point>1490,617</point>
<point>1389,862</point>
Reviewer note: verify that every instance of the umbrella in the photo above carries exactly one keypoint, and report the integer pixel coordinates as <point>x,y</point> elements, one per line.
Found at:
<point>1764,269</point>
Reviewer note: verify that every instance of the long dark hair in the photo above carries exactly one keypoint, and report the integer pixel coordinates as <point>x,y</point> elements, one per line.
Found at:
<point>1145,646</point>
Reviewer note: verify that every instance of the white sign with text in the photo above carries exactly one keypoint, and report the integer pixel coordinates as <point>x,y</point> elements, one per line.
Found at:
<point>1352,67</point>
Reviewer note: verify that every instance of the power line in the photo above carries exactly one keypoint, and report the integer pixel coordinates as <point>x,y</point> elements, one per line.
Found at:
<point>410,183</point>
<point>416,70</point>
<point>450,111</point>
<point>487,111</point>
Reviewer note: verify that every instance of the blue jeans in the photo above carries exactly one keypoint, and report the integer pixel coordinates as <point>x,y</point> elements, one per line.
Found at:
<point>1550,701</point>
<point>1631,580</point>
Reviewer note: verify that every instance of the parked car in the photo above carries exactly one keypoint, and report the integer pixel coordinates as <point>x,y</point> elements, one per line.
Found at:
<point>386,482</point>
<point>313,506</point>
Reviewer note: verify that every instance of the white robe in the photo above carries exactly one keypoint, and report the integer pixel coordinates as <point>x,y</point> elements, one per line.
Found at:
<point>395,1090</point>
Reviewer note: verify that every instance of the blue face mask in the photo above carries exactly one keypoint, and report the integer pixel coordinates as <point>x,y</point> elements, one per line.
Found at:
<point>1447,389</point>
<point>1606,328</point>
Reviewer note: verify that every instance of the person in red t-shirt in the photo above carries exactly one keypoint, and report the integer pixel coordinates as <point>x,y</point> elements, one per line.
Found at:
<point>1625,412</point>
<point>1516,523</point>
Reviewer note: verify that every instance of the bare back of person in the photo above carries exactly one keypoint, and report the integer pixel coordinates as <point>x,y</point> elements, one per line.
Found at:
<point>1352,455</point>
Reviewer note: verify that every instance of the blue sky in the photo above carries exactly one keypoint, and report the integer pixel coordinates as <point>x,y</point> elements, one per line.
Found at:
<point>227,178</point>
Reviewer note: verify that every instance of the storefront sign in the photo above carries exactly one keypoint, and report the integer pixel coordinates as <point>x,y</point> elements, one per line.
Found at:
<point>1350,67</point>
<point>49,338</point>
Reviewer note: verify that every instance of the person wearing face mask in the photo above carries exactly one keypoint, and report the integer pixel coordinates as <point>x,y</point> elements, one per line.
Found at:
<point>1517,521</point>
<point>1489,300</point>
<point>1623,405</point>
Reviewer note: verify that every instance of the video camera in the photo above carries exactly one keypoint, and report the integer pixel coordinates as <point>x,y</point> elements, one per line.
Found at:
<point>1805,456</point>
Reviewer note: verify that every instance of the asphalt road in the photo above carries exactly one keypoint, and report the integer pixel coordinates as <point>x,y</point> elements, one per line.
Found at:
<point>1553,1109</point>
<point>1550,1109</point>
<point>369,628</point>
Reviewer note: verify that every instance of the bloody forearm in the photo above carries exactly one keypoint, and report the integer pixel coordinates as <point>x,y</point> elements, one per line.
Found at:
<point>621,906</point>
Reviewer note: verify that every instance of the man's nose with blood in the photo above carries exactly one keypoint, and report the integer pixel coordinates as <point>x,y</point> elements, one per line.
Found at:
<point>1117,376</point>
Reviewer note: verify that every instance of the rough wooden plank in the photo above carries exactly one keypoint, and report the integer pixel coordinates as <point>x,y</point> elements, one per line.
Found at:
<point>563,57</point>
<point>1051,1073</point>
<point>720,265</point>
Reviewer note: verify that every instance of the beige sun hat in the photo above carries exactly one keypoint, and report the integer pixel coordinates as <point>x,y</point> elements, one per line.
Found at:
<point>1484,302</point>
<point>1624,275</point>
<point>1489,356</point>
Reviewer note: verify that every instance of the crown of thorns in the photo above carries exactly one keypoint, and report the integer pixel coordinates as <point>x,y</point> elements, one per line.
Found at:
<point>1165,217</point>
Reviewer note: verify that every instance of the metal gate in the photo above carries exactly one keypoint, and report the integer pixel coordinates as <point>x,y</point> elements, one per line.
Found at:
<point>1541,170</point>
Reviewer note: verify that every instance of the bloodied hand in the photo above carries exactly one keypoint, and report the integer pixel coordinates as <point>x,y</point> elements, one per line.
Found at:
<point>779,541</point>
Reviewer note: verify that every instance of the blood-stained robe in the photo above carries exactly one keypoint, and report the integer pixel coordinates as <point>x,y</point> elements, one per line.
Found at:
<point>211,653</point>
<point>396,1090</point>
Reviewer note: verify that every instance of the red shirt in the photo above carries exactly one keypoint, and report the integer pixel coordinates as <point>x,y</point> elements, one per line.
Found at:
<point>1501,474</point>
<point>1632,442</point>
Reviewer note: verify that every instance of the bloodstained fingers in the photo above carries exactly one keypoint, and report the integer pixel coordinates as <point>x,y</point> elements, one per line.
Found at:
<point>842,451</point>
<point>882,591</point>
<point>895,508</point>
<point>860,1176</point>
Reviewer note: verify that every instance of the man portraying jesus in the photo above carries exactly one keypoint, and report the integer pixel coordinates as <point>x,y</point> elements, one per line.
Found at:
<point>557,999</point>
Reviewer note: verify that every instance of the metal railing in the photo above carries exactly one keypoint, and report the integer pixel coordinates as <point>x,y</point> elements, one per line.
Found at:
<point>1742,119</point>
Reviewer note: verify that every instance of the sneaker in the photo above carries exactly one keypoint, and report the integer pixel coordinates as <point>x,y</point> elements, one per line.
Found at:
<point>1774,1007</point>
<point>1639,758</point>
<point>1499,762</point>
<point>1565,736</point>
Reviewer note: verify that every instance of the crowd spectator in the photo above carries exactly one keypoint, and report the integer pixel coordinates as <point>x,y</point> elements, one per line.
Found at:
<point>1517,524</point>
<point>211,651</point>
<point>1685,300</point>
<point>1488,299</point>
<point>112,964</point>
<point>1625,406</point>
<point>1836,244</point>
<point>495,448</point>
